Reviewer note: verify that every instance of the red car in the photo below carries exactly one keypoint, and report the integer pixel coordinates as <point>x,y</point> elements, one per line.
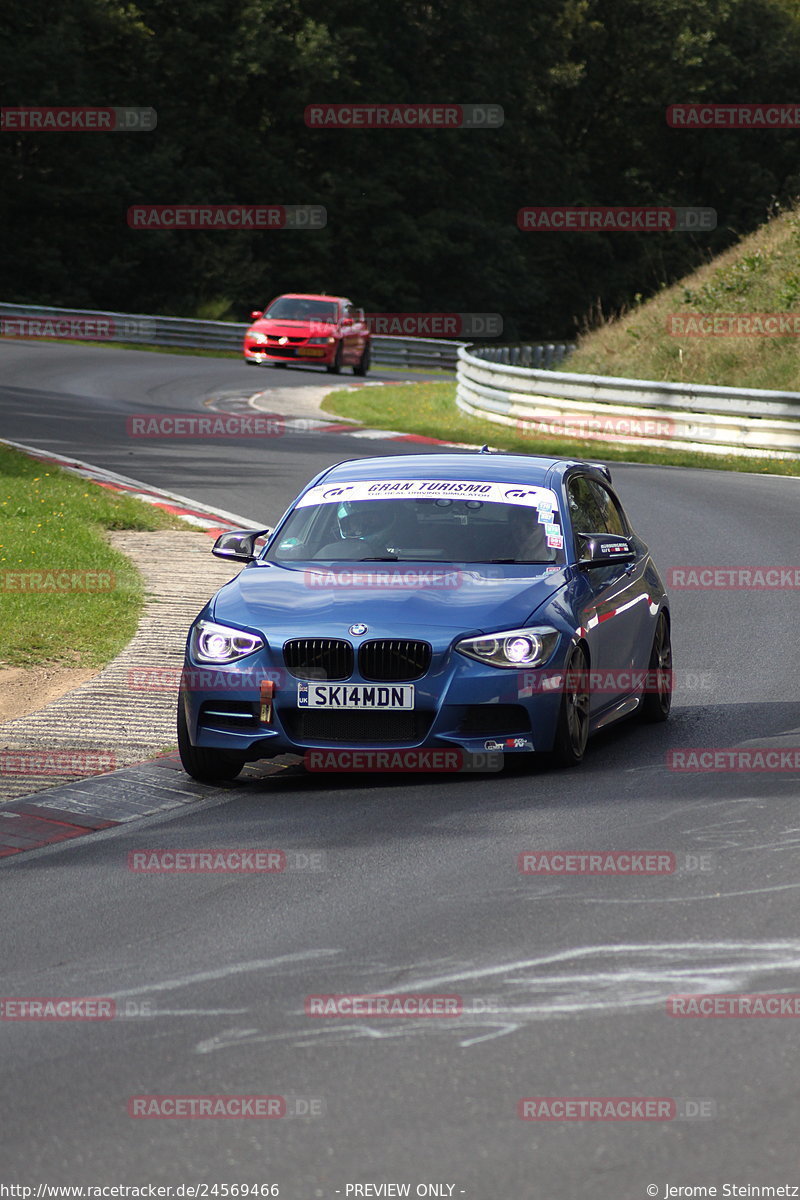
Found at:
<point>300,327</point>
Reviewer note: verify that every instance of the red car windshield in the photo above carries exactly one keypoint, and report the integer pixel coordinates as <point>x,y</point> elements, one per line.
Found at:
<point>290,308</point>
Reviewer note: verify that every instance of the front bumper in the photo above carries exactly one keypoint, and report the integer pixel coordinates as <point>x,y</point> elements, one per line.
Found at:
<point>313,355</point>
<point>460,703</point>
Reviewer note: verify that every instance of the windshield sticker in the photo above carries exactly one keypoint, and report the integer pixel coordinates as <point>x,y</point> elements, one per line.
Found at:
<point>433,489</point>
<point>556,542</point>
<point>552,530</point>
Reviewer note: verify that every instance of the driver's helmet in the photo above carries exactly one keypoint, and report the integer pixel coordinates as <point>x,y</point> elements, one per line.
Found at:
<point>366,519</point>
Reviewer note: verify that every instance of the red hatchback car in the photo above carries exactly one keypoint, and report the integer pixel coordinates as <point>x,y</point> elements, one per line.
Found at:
<point>300,327</point>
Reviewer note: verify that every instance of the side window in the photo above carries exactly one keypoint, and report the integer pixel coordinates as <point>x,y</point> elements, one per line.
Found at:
<point>585,513</point>
<point>613,519</point>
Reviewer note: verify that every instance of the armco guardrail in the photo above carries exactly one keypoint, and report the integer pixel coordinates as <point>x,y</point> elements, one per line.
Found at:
<point>688,416</point>
<point>537,354</point>
<point>25,320</point>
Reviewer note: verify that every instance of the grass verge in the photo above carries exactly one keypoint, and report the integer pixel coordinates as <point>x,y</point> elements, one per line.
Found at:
<point>430,409</point>
<point>53,522</point>
<point>759,275</point>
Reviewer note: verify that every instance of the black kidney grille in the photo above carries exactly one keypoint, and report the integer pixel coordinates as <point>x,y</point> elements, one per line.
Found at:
<point>318,658</point>
<point>390,660</point>
<point>355,726</point>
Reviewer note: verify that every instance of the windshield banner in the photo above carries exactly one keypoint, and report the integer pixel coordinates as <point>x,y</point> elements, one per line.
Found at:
<point>432,489</point>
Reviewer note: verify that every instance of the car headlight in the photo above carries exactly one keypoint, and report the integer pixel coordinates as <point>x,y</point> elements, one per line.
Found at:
<point>512,647</point>
<point>321,341</point>
<point>257,337</point>
<point>212,643</point>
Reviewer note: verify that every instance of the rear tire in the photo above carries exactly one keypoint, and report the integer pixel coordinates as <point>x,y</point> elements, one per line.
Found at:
<point>655,705</point>
<point>572,731</point>
<point>363,366</point>
<point>204,765</point>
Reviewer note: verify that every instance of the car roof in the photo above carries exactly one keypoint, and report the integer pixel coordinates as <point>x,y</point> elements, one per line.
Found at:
<point>308,296</point>
<point>502,468</point>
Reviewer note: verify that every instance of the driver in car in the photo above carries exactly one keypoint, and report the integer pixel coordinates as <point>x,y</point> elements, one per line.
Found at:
<point>367,529</point>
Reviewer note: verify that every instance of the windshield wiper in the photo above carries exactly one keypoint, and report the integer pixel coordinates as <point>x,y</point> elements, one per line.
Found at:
<point>521,561</point>
<point>380,558</point>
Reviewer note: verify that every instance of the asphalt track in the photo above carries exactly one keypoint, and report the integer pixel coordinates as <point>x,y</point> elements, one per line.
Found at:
<point>564,979</point>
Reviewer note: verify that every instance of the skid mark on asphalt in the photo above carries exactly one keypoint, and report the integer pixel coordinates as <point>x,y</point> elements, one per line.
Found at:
<point>568,983</point>
<point>263,964</point>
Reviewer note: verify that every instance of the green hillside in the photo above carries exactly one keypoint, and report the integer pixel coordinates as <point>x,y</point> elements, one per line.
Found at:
<point>759,275</point>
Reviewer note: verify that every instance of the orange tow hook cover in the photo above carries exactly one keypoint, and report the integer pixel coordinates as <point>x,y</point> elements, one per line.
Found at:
<point>267,692</point>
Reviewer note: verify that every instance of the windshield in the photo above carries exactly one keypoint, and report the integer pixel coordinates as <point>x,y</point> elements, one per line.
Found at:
<point>431,521</point>
<point>290,308</point>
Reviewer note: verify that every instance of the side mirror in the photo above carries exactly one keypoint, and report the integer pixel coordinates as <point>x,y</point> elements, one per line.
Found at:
<point>240,544</point>
<point>256,315</point>
<point>601,549</point>
<point>347,321</point>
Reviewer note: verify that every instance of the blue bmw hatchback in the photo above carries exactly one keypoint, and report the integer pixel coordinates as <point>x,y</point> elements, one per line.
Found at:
<point>478,602</point>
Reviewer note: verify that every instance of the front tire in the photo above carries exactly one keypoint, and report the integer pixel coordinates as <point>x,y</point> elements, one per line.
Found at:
<point>572,731</point>
<point>656,704</point>
<point>335,368</point>
<point>204,765</point>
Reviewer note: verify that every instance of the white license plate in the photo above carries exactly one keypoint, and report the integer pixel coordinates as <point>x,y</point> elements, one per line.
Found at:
<point>355,695</point>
